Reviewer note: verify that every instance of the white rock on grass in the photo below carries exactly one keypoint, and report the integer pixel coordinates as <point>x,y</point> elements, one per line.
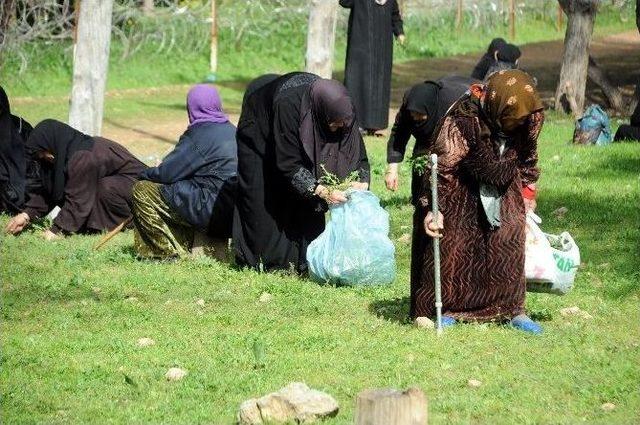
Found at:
<point>201,302</point>
<point>575,311</point>
<point>608,407</point>
<point>175,374</point>
<point>424,322</point>
<point>405,238</point>
<point>295,403</point>
<point>474,383</point>
<point>146,342</point>
<point>560,212</point>
<point>265,297</point>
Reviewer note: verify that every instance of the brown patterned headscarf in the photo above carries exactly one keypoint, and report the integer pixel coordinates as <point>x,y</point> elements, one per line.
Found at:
<point>511,96</point>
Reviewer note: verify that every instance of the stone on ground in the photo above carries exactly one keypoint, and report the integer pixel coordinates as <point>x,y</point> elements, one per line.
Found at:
<point>146,342</point>
<point>474,383</point>
<point>608,407</point>
<point>295,403</point>
<point>575,311</point>
<point>175,374</point>
<point>424,322</point>
<point>265,297</point>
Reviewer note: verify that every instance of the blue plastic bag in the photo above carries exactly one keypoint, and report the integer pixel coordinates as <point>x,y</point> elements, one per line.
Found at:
<point>354,248</point>
<point>593,127</point>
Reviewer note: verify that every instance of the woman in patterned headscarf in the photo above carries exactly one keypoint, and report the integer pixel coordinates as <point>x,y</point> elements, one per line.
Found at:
<point>487,148</point>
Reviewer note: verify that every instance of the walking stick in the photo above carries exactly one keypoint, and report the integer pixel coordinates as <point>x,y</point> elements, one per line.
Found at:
<point>436,243</point>
<point>106,238</point>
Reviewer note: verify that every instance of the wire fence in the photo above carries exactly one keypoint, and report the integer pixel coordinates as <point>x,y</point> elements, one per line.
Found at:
<point>163,26</point>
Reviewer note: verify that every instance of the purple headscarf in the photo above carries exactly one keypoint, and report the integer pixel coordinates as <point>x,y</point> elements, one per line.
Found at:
<point>204,105</point>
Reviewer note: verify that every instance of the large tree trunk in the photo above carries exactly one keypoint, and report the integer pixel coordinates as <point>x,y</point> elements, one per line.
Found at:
<point>575,59</point>
<point>612,92</point>
<point>391,407</point>
<point>321,37</point>
<point>90,65</point>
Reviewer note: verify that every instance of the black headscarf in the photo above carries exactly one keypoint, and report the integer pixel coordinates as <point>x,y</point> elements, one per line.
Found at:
<point>509,53</point>
<point>12,159</point>
<point>328,101</point>
<point>62,141</point>
<point>423,99</point>
<point>495,44</point>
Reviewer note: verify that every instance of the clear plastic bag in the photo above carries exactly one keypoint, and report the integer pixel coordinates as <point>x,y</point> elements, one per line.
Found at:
<point>354,248</point>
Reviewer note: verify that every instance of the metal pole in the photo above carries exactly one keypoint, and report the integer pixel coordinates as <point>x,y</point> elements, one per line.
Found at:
<point>436,243</point>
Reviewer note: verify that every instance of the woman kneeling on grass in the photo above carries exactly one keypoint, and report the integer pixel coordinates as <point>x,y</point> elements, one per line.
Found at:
<point>89,178</point>
<point>193,189</point>
<point>292,130</point>
<point>487,149</point>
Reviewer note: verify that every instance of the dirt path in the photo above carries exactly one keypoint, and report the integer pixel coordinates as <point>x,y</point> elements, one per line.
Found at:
<point>150,135</point>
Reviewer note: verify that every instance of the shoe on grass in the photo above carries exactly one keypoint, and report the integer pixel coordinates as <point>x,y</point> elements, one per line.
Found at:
<point>525,324</point>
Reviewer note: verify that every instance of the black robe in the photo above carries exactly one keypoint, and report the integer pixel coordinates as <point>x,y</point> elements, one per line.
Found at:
<point>277,214</point>
<point>369,58</point>
<point>632,130</point>
<point>14,131</point>
<point>91,183</point>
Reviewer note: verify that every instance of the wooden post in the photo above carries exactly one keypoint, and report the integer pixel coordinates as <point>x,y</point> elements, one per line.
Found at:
<point>560,21</point>
<point>572,83</point>
<point>321,37</point>
<point>459,16</point>
<point>90,66</point>
<point>213,57</point>
<point>391,407</point>
<point>512,19</point>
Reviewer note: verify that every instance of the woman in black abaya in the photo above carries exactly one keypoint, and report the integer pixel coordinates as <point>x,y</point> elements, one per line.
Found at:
<point>367,74</point>
<point>291,130</point>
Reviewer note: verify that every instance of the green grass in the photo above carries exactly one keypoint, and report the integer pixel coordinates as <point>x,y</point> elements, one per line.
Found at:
<point>281,49</point>
<point>69,325</point>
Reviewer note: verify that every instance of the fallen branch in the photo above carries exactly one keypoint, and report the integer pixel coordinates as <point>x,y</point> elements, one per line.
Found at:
<point>106,238</point>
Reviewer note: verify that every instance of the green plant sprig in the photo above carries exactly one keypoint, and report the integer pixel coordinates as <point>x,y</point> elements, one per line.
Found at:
<point>333,182</point>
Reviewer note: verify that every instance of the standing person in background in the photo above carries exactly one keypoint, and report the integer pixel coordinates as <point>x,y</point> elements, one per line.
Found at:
<point>372,25</point>
<point>193,188</point>
<point>14,132</point>
<point>89,178</point>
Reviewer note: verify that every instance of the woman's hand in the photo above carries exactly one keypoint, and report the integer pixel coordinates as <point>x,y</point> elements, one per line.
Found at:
<point>332,197</point>
<point>360,185</point>
<point>49,236</point>
<point>17,223</point>
<point>434,228</point>
<point>529,205</point>
<point>391,177</point>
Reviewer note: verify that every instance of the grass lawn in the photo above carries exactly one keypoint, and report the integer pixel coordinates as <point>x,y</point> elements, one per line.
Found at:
<point>71,318</point>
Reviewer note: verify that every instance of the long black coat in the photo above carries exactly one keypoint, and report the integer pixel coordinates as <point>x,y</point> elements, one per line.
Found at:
<point>277,214</point>
<point>369,58</point>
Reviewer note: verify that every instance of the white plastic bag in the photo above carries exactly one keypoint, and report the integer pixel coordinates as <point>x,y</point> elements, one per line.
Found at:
<point>551,261</point>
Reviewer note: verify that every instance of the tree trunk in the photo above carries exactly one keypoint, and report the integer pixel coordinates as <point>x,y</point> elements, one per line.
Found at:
<point>391,407</point>
<point>613,93</point>
<point>321,37</point>
<point>7,15</point>
<point>575,59</point>
<point>148,7</point>
<point>90,65</point>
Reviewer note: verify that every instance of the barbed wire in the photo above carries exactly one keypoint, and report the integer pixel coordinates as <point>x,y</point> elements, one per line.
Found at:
<point>185,24</point>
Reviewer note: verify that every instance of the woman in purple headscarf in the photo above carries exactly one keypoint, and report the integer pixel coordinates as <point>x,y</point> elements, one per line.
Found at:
<point>293,129</point>
<point>192,191</point>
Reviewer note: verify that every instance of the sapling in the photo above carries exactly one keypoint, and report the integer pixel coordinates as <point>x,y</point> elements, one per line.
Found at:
<point>333,182</point>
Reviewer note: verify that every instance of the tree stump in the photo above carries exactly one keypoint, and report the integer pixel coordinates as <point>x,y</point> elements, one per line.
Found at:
<point>391,407</point>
